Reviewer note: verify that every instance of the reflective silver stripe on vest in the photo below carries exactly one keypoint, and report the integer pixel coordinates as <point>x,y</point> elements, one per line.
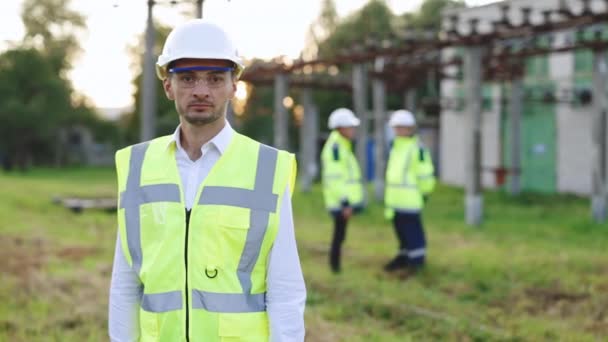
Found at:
<point>427,176</point>
<point>405,210</point>
<point>135,195</point>
<point>228,302</point>
<point>252,199</point>
<point>262,202</point>
<point>162,302</point>
<point>401,185</point>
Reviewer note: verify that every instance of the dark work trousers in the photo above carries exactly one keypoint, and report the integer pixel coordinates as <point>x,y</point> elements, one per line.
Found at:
<point>410,233</point>
<point>336,243</point>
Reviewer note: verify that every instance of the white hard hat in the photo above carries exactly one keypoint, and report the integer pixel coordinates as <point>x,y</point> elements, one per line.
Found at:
<point>402,117</point>
<point>198,38</point>
<point>342,117</point>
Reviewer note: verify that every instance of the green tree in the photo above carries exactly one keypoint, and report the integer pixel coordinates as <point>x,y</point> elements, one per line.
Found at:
<point>36,98</point>
<point>428,17</point>
<point>320,29</point>
<point>33,102</point>
<point>328,20</point>
<point>51,26</point>
<point>375,17</point>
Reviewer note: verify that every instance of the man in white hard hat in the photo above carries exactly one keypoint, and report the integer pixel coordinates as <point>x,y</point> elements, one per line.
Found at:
<point>206,248</point>
<point>342,184</point>
<point>409,181</point>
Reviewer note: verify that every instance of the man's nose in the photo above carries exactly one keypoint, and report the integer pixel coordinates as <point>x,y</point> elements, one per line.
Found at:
<point>200,87</point>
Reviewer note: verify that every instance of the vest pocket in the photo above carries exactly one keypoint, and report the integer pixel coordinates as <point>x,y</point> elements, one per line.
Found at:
<point>148,326</point>
<point>233,229</point>
<point>244,327</point>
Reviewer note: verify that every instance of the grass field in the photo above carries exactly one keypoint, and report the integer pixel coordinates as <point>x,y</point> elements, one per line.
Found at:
<point>537,270</point>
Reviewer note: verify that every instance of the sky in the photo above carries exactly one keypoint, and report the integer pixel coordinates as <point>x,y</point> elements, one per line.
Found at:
<point>259,28</point>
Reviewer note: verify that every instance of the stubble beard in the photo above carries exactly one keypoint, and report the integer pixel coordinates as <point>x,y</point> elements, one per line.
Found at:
<point>197,120</point>
<point>201,121</point>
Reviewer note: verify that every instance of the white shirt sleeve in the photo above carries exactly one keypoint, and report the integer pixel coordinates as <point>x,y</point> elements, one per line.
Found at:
<point>286,292</point>
<point>125,297</point>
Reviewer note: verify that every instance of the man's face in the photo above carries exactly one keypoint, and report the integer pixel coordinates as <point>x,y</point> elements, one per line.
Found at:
<point>404,131</point>
<point>348,132</point>
<point>201,96</point>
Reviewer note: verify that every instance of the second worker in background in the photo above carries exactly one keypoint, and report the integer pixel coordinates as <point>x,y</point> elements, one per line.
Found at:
<point>342,184</point>
<point>409,181</point>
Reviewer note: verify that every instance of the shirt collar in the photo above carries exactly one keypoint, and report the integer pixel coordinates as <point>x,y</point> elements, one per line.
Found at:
<point>220,140</point>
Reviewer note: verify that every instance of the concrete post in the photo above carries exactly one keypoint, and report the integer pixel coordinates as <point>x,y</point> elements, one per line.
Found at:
<point>473,197</point>
<point>360,108</point>
<point>379,104</point>
<point>148,83</point>
<point>410,100</point>
<point>280,112</point>
<point>199,8</point>
<point>599,187</point>
<point>309,133</point>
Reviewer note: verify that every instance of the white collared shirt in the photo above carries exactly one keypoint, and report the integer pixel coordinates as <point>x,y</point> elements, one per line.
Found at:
<point>286,292</point>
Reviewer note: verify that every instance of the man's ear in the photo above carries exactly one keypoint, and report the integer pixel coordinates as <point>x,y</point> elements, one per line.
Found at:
<point>234,83</point>
<point>167,86</point>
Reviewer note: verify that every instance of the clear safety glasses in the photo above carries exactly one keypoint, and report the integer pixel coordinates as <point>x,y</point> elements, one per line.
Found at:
<point>189,77</point>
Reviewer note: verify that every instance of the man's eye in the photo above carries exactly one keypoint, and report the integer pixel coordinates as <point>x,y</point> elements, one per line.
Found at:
<point>187,79</point>
<point>214,79</point>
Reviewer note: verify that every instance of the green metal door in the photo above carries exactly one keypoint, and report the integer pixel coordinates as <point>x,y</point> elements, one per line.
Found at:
<point>538,147</point>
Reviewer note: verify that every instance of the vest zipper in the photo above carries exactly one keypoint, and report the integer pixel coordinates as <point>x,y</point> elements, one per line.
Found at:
<point>186,265</point>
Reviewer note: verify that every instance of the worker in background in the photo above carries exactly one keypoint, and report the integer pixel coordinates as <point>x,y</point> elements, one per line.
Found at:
<point>409,181</point>
<point>206,248</point>
<point>342,184</point>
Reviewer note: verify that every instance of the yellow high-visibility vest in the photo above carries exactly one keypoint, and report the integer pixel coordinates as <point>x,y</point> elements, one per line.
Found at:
<point>341,177</point>
<point>205,280</point>
<point>409,176</point>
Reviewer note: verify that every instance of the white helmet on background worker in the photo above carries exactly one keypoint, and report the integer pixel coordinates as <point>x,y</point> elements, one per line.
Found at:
<point>342,117</point>
<point>200,39</point>
<point>402,118</point>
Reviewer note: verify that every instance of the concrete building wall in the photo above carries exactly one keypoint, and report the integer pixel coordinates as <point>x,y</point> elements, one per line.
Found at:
<point>573,130</point>
<point>574,150</point>
<point>451,153</point>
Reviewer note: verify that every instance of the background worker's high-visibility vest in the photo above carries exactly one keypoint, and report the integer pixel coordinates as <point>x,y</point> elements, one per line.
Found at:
<point>341,173</point>
<point>204,271</point>
<point>409,176</point>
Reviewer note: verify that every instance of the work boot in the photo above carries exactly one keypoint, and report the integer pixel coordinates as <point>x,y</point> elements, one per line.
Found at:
<point>400,261</point>
<point>335,268</point>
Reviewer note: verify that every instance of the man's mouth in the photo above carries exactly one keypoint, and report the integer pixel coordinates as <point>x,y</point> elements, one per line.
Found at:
<point>200,106</point>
